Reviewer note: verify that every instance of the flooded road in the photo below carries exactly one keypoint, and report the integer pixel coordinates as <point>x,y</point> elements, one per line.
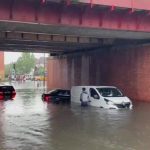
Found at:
<point>29,124</point>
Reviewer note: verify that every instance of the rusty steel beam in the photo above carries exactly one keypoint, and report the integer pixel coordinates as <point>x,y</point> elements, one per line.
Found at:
<point>71,30</point>
<point>79,16</point>
<point>135,4</point>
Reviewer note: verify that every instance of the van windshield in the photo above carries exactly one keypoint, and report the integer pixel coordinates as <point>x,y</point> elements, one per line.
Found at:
<point>110,92</point>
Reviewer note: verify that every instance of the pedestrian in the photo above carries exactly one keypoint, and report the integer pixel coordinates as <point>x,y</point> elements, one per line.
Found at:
<point>84,97</point>
<point>38,84</point>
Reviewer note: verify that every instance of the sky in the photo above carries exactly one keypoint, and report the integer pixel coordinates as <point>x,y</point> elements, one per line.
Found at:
<point>10,57</point>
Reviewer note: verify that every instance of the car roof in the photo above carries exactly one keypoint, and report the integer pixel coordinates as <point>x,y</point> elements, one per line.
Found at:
<point>8,87</point>
<point>57,90</point>
<point>97,86</point>
<point>5,85</point>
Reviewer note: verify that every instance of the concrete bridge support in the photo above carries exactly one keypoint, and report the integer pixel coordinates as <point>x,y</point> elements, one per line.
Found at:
<point>128,69</point>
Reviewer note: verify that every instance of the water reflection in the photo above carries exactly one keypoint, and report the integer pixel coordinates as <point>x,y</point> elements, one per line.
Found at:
<point>28,123</point>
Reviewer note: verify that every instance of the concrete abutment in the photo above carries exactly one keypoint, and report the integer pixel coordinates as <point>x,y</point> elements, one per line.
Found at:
<point>128,69</point>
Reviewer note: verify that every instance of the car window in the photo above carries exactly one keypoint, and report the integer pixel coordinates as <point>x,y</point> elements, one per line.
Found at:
<point>110,92</point>
<point>67,93</point>
<point>93,93</point>
<point>59,92</point>
<point>64,93</point>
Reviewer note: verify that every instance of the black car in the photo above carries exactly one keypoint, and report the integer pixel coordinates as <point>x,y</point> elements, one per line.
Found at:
<point>57,96</point>
<point>7,92</point>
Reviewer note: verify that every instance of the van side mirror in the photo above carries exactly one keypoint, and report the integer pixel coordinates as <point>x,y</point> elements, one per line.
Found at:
<point>96,97</point>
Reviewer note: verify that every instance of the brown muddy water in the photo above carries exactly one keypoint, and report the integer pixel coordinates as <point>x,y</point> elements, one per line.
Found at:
<point>29,124</point>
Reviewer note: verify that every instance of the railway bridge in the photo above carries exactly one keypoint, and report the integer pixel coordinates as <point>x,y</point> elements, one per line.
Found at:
<point>90,42</point>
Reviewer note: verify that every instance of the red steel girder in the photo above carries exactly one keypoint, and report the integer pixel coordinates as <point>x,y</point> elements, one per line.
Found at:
<point>74,15</point>
<point>134,4</point>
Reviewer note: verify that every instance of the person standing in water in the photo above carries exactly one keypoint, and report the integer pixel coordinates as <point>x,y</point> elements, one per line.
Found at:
<point>84,97</point>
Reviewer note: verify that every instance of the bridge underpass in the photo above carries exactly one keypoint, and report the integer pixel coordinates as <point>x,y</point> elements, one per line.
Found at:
<point>89,45</point>
<point>116,55</point>
<point>88,61</point>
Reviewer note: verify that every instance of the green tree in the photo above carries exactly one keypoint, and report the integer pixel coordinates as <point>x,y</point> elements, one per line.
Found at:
<point>41,71</point>
<point>8,69</point>
<point>25,63</point>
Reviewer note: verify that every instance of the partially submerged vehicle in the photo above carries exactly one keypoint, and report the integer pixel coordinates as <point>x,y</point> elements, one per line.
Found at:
<point>57,96</point>
<point>7,92</point>
<point>102,96</point>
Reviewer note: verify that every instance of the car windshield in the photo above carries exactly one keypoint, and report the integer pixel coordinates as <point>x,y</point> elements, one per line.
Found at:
<point>53,91</point>
<point>110,92</point>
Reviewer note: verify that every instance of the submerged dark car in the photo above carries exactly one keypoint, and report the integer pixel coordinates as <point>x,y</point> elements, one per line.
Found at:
<point>7,92</point>
<point>57,96</point>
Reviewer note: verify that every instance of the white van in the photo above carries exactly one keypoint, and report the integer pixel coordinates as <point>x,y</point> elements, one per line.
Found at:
<point>102,96</point>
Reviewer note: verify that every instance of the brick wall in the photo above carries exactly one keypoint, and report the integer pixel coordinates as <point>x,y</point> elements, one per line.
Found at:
<point>128,69</point>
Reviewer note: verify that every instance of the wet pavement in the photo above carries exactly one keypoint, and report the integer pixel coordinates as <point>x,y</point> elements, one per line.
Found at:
<point>27,123</point>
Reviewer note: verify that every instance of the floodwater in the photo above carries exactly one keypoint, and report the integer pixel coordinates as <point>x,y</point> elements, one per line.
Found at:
<point>27,123</point>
